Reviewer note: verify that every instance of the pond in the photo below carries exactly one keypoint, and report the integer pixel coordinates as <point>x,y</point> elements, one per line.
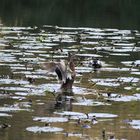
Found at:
<point>106,99</point>
<point>105,102</point>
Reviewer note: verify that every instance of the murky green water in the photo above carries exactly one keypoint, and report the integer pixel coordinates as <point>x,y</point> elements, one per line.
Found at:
<point>106,100</point>
<point>121,14</point>
<point>110,93</point>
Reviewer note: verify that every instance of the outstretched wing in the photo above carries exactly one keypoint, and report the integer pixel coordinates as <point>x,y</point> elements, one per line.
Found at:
<point>49,66</point>
<point>58,67</point>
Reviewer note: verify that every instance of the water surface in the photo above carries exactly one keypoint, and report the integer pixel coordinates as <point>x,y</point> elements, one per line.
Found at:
<point>105,101</point>
<point>100,14</point>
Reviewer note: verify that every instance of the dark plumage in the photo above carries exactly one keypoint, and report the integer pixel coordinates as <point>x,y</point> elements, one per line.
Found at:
<point>96,63</point>
<point>58,72</point>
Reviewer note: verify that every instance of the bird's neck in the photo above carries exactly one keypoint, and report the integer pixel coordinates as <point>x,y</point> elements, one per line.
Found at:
<point>72,66</point>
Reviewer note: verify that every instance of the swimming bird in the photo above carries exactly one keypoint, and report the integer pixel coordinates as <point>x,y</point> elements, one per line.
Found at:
<point>96,63</point>
<point>4,125</point>
<point>65,71</point>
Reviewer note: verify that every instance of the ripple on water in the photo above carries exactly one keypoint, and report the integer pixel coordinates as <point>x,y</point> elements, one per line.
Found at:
<point>22,93</point>
<point>35,47</point>
<point>12,81</point>
<point>108,84</point>
<point>124,44</point>
<point>83,69</point>
<point>5,115</point>
<point>113,82</point>
<point>77,115</point>
<point>135,124</point>
<point>119,54</point>
<point>109,69</point>
<point>88,102</point>
<point>50,119</point>
<point>75,134</point>
<point>103,115</point>
<point>18,97</point>
<point>136,73</point>
<point>12,109</point>
<point>89,55</point>
<point>15,89</point>
<point>123,98</point>
<point>37,129</point>
<point>70,113</point>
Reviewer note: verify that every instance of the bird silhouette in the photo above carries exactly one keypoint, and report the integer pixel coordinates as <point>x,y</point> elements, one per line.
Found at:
<point>96,63</point>
<point>65,71</point>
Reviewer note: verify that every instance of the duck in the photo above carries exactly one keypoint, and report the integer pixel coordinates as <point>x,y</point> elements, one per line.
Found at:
<point>96,63</point>
<point>4,125</point>
<point>65,71</point>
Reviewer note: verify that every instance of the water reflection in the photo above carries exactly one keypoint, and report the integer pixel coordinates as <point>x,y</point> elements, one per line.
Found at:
<point>97,13</point>
<point>27,91</point>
